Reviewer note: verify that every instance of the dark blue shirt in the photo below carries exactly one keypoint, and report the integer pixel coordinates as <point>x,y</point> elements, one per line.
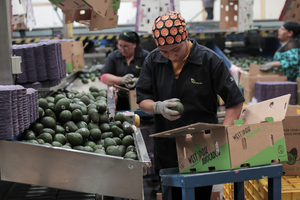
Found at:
<point>204,76</point>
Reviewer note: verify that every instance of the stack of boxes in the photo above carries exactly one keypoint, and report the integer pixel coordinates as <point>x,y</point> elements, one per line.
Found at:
<point>97,15</point>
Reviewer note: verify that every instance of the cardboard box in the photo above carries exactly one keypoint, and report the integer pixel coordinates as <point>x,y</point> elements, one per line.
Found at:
<point>72,52</point>
<point>290,11</point>
<point>248,79</point>
<point>92,19</point>
<point>237,15</point>
<point>99,6</point>
<point>291,127</point>
<point>258,141</point>
<point>249,84</point>
<point>131,95</point>
<point>255,71</point>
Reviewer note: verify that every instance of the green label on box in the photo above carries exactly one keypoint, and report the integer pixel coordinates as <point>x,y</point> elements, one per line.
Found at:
<point>264,157</point>
<point>56,2</point>
<point>69,67</point>
<point>201,160</point>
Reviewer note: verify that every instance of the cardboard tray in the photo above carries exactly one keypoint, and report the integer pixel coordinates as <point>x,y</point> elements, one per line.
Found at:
<point>74,170</point>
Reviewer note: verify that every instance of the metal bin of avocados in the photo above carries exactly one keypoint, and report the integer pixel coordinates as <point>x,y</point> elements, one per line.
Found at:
<point>75,170</point>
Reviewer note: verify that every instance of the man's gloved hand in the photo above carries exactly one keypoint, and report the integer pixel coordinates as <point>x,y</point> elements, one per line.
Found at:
<point>266,67</point>
<point>162,107</point>
<point>127,79</point>
<point>131,84</point>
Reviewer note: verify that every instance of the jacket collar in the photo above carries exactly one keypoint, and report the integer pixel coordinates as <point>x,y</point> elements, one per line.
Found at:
<point>194,57</point>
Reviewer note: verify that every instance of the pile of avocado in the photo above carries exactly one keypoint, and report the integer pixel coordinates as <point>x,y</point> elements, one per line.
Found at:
<point>79,120</point>
<point>244,62</point>
<point>85,76</point>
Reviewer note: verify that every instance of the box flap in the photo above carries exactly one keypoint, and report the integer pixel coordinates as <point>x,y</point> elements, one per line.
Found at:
<point>257,113</point>
<point>293,110</point>
<point>255,71</point>
<point>189,129</point>
<point>121,88</point>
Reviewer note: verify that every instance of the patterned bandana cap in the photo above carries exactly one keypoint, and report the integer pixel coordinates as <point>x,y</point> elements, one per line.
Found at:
<point>169,28</point>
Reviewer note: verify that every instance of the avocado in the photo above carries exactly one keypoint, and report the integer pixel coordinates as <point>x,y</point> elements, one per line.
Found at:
<point>86,118</point>
<point>85,133</point>
<point>104,118</point>
<point>127,140</point>
<point>92,125</point>
<point>62,104</point>
<point>50,113</point>
<point>29,135</point>
<point>100,151</point>
<point>109,142</point>
<point>113,150</point>
<point>58,97</point>
<point>85,100</point>
<point>47,130</point>
<point>178,108</point>
<point>47,137</point>
<point>60,138</point>
<point>107,134</point>
<point>127,128</point>
<point>56,144</point>
<point>119,116</point>
<point>118,132</point>
<point>94,115</point>
<point>131,155</point>
<point>77,115</point>
<point>48,122</point>
<point>70,126</point>
<point>43,103</point>
<point>82,124</point>
<point>59,129</point>
<point>41,112</point>
<point>104,127</point>
<point>74,138</point>
<point>65,116</point>
<point>95,134</point>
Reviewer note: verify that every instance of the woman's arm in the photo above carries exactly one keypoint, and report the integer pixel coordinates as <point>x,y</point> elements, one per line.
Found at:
<point>110,79</point>
<point>232,114</point>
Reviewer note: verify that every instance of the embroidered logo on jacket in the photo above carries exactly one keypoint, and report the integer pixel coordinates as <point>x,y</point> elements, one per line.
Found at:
<point>194,82</point>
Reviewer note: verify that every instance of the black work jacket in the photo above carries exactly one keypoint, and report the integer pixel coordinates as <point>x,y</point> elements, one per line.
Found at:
<point>204,76</point>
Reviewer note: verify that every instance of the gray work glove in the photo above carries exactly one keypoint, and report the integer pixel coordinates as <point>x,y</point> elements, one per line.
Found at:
<point>127,79</point>
<point>162,107</point>
<point>131,84</point>
<point>266,67</point>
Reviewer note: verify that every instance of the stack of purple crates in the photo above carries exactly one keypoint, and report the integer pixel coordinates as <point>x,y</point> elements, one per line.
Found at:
<point>19,108</point>
<point>268,90</point>
<point>42,64</point>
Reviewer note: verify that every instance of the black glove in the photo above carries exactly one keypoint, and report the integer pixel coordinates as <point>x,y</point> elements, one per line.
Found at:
<point>162,107</point>
<point>266,67</point>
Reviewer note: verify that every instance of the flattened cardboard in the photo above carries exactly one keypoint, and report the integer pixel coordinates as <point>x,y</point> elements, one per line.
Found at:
<point>253,143</point>
<point>254,71</point>
<point>132,97</point>
<point>291,127</point>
